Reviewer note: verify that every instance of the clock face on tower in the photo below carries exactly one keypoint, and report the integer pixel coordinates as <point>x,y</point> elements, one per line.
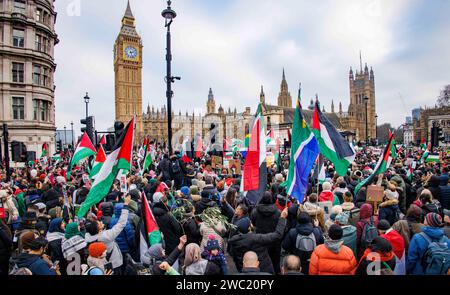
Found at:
<point>131,52</point>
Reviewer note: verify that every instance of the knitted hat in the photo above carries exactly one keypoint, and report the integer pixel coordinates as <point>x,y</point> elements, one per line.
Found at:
<point>342,218</point>
<point>97,249</point>
<point>212,243</point>
<point>72,230</point>
<point>433,220</point>
<point>185,190</point>
<point>335,232</point>
<point>384,225</point>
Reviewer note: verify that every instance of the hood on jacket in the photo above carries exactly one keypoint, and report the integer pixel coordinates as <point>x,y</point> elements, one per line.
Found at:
<point>267,210</point>
<point>433,232</point>
<point>107,209</point>
<point>334,245</point>
<point>159,209</point>
<point>55,226</point>
<point>434,181</point>
<point>366,211</point>
<point>26,259</point>
<point>133,206</point>
<point>304,229</point>
<point>390,203</point>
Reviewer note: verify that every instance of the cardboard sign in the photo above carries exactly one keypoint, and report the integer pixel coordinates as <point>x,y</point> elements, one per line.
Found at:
<point>326,207</point>
<point>235,167</point>
<point>270,160</point>
<point>375,193</point>
<point>216,162</point>
<point>375,196</point>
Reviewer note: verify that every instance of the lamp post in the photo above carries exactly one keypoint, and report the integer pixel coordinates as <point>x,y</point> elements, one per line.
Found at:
<point>366,99</point>
<point>71,123</point>
<point>376,128</point>
<point>65,136</point>
<point>86,101</point>
<point>169,16</point>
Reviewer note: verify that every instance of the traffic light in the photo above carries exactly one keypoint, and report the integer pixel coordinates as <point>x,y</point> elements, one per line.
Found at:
<point>19,151</point>
<point>90,128</point>
<point>59,145</point>
<point>118,129</point>
<point>440,134</point>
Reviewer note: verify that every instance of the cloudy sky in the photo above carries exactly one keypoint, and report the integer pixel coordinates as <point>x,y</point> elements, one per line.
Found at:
<point>235,46</point>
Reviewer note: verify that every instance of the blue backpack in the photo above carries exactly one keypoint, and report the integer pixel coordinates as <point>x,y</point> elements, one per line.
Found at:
<point>436,260</point>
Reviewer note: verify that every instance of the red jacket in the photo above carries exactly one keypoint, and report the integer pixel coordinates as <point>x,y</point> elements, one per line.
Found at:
<point>397,242</point>
<point>326,196</point>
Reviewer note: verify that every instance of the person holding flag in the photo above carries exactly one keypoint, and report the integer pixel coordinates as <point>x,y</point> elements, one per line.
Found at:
<point>254,174</point>
<point>119,158</point>
<point>304,152</point>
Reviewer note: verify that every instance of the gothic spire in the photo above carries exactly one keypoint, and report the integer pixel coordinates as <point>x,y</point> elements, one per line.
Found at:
<point>128,12</point>
<point>332,106</point>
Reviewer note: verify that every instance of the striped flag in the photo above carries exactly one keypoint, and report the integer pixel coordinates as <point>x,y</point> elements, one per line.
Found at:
<point>84,150</point>
<point>333,145</point>
<point>254,174</point>
<point>149,156</point>
<point>44,150</point>
<point>381,166</point>
<point>100,158</point>
<point>304,152</point>
<point>149,231</point>
<point>426,153</point>
<point>119,159</point>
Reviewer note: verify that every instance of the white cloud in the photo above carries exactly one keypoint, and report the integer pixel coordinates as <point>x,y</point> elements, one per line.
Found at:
<point>235,46</point>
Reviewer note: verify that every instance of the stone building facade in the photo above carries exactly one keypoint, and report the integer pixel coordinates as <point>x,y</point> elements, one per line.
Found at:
<point>27,67</point>
<point>423,124</point>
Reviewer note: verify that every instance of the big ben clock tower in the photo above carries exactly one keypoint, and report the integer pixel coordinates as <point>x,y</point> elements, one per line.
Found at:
<point>128,73</point>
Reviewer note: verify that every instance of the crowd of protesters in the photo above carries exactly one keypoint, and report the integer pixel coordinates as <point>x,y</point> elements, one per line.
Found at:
<point>331,232</point>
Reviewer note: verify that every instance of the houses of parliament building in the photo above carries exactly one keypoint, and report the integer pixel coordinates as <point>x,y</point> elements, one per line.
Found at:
<point>219,122</point>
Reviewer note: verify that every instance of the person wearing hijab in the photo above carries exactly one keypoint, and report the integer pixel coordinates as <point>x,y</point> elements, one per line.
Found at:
<point>55,235</point>
<point>74,242</point>
<point>156,255</point>
<point>194,264</point>
<point>379,255</point>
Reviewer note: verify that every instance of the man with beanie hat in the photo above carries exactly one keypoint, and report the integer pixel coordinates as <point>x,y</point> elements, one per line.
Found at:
<point>303,239</point>
<point>333,257</point>
<point>432,233</point>
<point>397,242</point>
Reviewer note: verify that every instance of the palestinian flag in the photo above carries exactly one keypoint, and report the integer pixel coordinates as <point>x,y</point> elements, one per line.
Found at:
<point>149,155</point>
<point>304,152</point>
<point>333,145</point>
<point>409,172</point>
<point>98,162</point>
<point>84,150</point>
<point>394,152</point>
<point>423,144</point>
<point>433,159</point>
<point>380,167</point>
<point>45,150</point>
<point>149,231</point>
<point>119,158</point>
<point>103,140</point>
<point>426,154</point>
<point>254,174</point>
